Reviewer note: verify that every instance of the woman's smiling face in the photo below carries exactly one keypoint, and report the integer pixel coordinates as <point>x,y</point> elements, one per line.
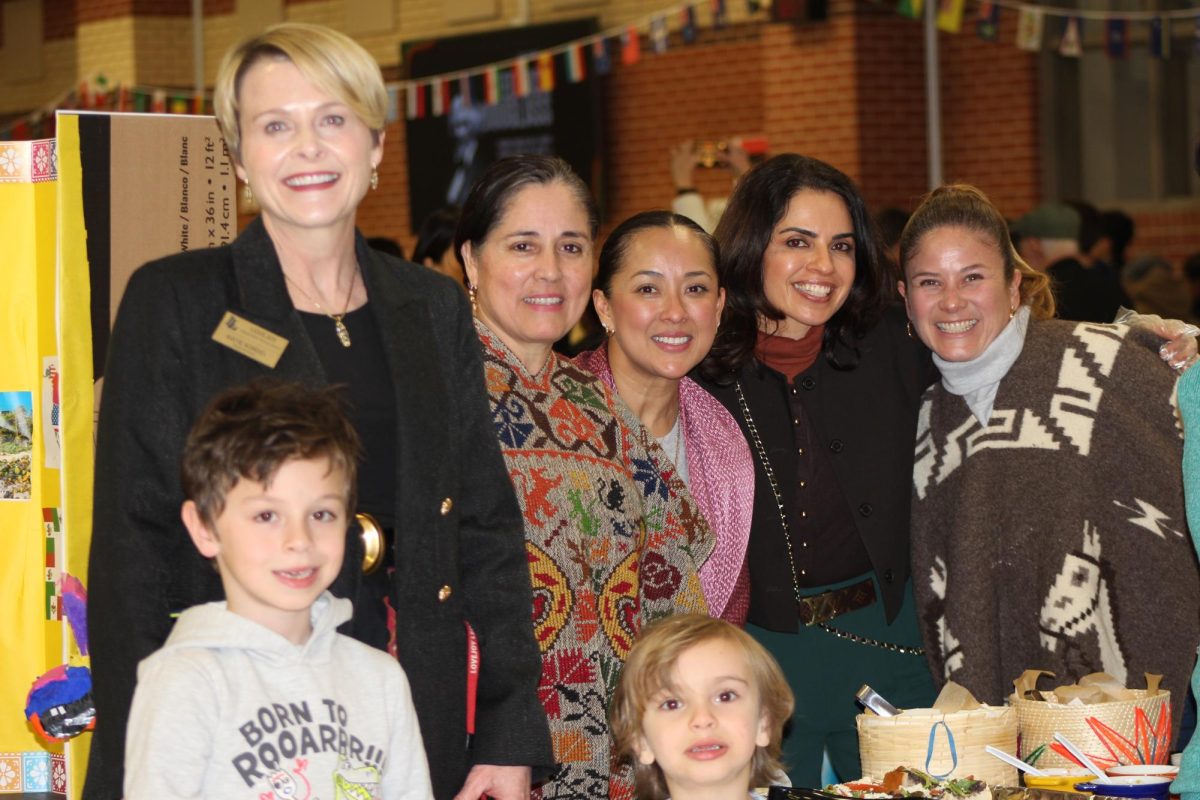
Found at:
<point>809,263</point>
<point>663,304</point>
<point>956,293</point>
<point>533,271</point>
<point>305,154</point>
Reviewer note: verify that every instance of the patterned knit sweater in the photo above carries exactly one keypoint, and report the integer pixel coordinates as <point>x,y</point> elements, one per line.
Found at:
<point>722,484</point>
<point>610,548</point>
<point>1054,538</point>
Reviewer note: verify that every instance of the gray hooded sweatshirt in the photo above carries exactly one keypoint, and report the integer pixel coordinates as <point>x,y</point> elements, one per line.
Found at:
<point>229,709</point>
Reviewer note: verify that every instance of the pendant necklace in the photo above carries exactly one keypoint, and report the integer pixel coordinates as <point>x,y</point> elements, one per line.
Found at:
<point>343,334</point>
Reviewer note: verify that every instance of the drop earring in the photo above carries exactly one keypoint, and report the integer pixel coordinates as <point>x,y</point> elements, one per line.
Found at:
<point>374,178</point>
<point>247,194</point>
<point>1012,312</point>
<point>471,297</point>
<point>908,327</point>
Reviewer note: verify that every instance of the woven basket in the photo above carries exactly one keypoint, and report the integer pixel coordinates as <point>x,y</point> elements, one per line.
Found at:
<point>1136,731</point>
<point>944,745</point>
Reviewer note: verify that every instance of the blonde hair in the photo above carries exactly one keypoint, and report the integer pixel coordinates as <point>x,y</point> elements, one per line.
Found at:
<point>648,670</point>
<point>965,206</point>
<point>329,60</point>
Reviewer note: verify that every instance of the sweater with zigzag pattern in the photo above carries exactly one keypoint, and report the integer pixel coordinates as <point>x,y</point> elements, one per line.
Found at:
<point>1054,537</point>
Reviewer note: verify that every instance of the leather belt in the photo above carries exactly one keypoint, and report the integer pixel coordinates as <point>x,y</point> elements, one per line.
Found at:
<point>823,607</point>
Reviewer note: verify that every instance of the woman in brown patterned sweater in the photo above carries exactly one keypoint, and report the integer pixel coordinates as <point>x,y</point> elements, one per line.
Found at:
<point>611,542</point>
<point>1048,522</point>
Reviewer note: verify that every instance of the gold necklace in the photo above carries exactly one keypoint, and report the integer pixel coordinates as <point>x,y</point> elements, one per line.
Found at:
<point>339,326</point>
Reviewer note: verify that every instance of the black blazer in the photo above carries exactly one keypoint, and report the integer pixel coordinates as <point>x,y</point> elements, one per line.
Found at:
<point>458,523</point>
<point>867,419</point>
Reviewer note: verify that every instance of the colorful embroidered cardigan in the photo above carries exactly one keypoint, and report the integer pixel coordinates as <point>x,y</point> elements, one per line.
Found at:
<point>721,472</point>
<point>1054,537</point>
<point>610,548</point>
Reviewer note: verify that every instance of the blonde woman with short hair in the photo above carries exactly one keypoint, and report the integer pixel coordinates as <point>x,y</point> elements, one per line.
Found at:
<point>300,296</point>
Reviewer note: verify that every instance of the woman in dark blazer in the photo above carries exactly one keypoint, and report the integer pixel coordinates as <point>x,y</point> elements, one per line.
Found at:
<point>302,109</point>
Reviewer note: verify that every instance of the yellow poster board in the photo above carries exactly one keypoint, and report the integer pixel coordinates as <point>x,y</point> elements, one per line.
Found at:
<point>78,214</point>
<point>31,531</point>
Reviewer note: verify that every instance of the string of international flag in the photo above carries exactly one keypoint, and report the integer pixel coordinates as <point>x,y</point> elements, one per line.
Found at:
<point>1032,34</point>
<point>540,71</point>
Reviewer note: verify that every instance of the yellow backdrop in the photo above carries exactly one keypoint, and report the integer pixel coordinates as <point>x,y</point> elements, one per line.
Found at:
<point>47,399</point>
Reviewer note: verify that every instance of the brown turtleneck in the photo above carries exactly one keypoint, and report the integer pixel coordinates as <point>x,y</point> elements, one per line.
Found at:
<point>787,356</point>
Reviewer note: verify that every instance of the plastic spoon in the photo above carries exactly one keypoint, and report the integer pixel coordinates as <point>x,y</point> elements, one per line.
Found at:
<point>1013,761</point>
<point>1088,764</point>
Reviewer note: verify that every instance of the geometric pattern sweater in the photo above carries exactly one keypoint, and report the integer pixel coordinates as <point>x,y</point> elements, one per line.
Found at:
<point>610,547</point>
<point>1055,537</point>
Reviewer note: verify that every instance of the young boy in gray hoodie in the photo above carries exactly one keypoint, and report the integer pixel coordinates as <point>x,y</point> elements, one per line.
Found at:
<point>259,696</point>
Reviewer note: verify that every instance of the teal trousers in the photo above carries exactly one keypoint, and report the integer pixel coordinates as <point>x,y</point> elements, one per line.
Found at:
<point>825,672</point>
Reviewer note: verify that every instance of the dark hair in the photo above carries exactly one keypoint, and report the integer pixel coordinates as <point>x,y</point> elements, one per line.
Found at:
<point>489,197</point>
<point>436,235</point>
<point>890,223</point>
<point>617,243</point>
<point>251,431</point>
<point>1191,267</point>
<point>386,244</point>
<point>1090,229</point>
<point>964,206</point>
<point>756,207</point>
<point>1119,228</point>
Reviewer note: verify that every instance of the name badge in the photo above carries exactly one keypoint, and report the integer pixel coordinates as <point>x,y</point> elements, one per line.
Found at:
<point>252,341</point>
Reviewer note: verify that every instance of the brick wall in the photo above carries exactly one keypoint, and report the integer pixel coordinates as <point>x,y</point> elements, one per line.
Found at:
<point>1169,230</point>
<point>93,10</point>
<point>707,91</point>
<point>810,89</point>
<point>385,211</point>
<point>989,116</point>
<point>890,61</point>
<point>58,19</point>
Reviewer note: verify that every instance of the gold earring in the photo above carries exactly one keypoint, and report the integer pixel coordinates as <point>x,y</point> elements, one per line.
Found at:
<point>1012,312</point>
<point>471,297</point>
<point>247,194</point>
<point>374,178</point>
<point>908,327</point>
<point>608,331</point>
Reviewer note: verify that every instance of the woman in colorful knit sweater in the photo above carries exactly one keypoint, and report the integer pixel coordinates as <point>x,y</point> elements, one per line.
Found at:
<point>612,537</point>
<point>1048,519</point>
<point>659,300</point>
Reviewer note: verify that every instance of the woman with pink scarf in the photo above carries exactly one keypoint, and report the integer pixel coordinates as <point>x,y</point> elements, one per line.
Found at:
<point>659,299</point>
